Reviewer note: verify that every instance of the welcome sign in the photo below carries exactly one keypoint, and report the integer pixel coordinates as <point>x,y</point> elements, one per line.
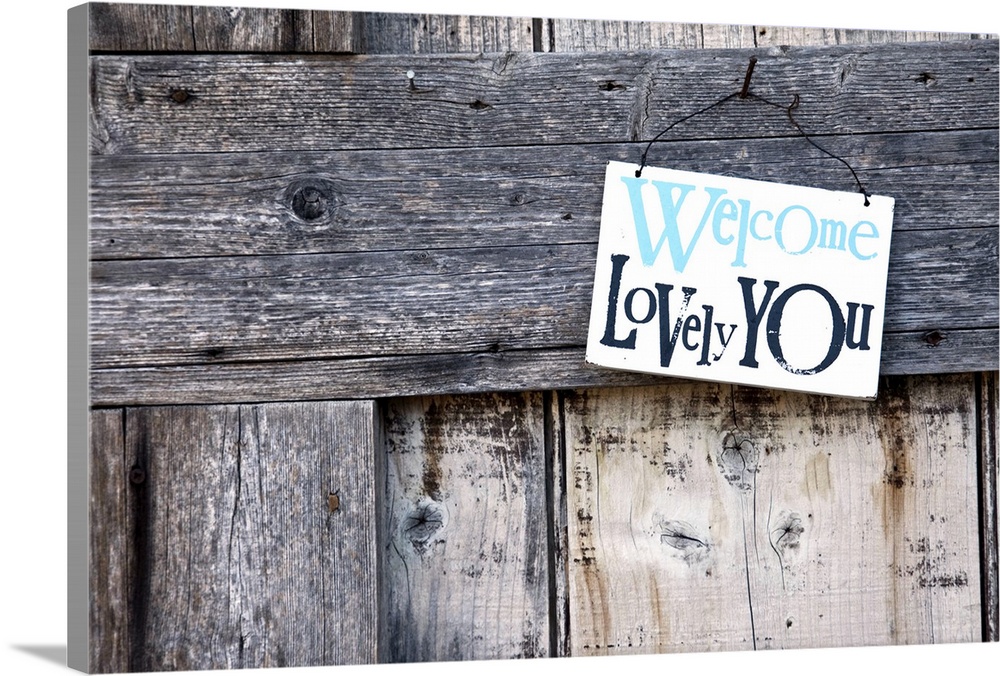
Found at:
<point>741,281</point>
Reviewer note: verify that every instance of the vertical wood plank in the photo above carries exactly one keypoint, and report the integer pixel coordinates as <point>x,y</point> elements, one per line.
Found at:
<point>140,28</point>
<point>579,35</point>
<point>555,445</point>
<point>582,35</point>
<point>706,517</point>
<point>109,545</point>
<point>391,33</point>
<point>241,559</point>
<point>251,29</point>
<point>465,559</point>
<point>341,32</point>
<point>768,36</point>
<point>989,476</point>
<point>720,36</point>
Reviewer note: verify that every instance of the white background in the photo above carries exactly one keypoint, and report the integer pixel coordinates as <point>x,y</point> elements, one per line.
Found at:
<point>33,478</point>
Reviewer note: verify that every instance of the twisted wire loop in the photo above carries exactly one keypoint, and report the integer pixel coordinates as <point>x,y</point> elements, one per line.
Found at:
<point>791,118</point>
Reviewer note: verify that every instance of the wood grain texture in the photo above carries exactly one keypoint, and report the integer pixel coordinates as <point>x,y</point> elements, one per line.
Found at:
<point>200,310</point>
<point>400,376</point>
<point>173,28</point>
<point>220,103</point>
<point>989,478</point>
<point>428,199</point>
<point>338,32</point>
<point>789,35</point>
<point>109,544</point>
<point>143,28</point>
<point>239,560</point>
<point>705,518</point>
<point>395,33</point>
<point>582,35</point>
<point>465,559</point>
<point>558,523</point>
<point>132,27</point>
<point>121,27</point>
<point>251,29</point>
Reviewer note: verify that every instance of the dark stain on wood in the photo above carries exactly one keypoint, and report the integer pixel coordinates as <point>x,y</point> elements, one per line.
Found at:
<point>672,464</point>
<point>893,407</point>
<point>140,558</point>
<point>434,423</point>
<point>931,569</point>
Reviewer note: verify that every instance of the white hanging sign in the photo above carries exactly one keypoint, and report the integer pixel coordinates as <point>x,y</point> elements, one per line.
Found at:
<point>740,281</point>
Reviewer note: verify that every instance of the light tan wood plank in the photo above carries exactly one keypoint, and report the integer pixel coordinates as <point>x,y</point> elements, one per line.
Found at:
<point>700,520</point>
<point>241,560</point>
<point>465,569</point>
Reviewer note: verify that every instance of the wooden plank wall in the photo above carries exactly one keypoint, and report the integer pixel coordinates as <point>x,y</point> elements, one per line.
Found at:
<point>234,536</point>
<point>708,517</point>
<point>281,215</point>
<point>562,516</point>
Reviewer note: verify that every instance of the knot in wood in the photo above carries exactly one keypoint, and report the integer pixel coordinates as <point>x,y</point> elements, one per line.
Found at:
<point>933,338</point>
<point>737,460</point>
<point>179,96</point>
<point>421,523</point>
<point>311,199</point>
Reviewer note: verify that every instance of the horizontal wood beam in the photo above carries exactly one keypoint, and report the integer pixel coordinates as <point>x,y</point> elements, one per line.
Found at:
<point>269,308</point>
<point>160,206</point>
<point>391,376</point>
<point>221,103</point>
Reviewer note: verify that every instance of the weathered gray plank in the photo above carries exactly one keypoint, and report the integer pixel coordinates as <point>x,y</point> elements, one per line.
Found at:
<point>109,545</point>
<point>246,203</point>
<point>240,561</point>
<point>251,29</point>
<point>141,28</point>
<point>137,28</point>
<point>465,558</point>
<point>195,103</point>
<point>338,32</point>
<point>795,36</point>
<point>134,27</point>
<point>396,33</point>
<point>581,35</point>
<point>989,477</point>
<point>903,353</point>
<point>708,517</point>
<point>251,308</point>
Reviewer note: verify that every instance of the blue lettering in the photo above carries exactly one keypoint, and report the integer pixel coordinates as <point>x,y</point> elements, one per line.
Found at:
<point>671,232</point>
<point>872,233</point>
